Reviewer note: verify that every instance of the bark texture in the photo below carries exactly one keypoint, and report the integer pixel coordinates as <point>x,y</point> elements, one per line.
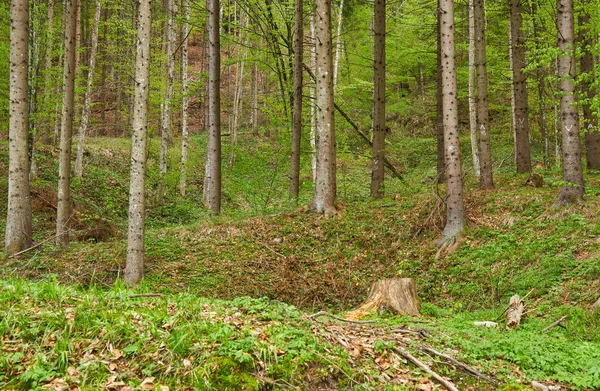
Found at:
<point>455,210</point>
<point>483,124</point>
<point>297,104</point>
<point>185,5</point>
<point>325,186</point>
<point>514,312</point>
<point>63,207</point>
<point>572,169</point>
<point>18,234</point>
<point>377,172</point>
<point>134,266</point>
<point>520,112</point>
<point>441,150</point>
<point>212,179</point>
<point>397,296</point>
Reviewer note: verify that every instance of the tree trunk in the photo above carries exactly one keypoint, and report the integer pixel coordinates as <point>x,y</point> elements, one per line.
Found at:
<point>238,91</point>
<point>48,83</point>
<point>338,44</point>
<point>397,296</point>
<point>483,124</point>
<point>134,266</point>
<point>297,104</point>
<point>313,101</point>
<point>254,99</point>
<point>212,180</point>
<point>441,150</point>
<point>540,75</point>
<point>472,92</point>
<point>572,170</point>
<point>377,172</point>
<point>18,234</point>
<point>455,210</point>
<point>85,115</point>
<point>588,91</point>
<point>514,312</point>
<point>325,186</point>
<point>63,207</point>
<point>519,89</point>
<point>184,98</point>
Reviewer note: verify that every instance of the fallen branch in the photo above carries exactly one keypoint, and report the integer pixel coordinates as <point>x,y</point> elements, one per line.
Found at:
<point>327,314</point>
<point>147,295</point>
<point>446,383</point>
<point>556,323</point>
<point>458,364</point>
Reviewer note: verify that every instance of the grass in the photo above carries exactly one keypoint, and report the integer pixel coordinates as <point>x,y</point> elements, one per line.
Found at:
<point>221,322</point>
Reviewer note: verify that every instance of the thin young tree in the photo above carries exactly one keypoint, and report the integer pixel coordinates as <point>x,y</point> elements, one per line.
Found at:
<point>455,210</point>
<point>325,185</point>
<point>212,179</point>
<point>87,104</point>
<point>472,92</point>
<point>48,84</point>
<point>18,234</point>
<point>377,171</point>
<point>520,111</point>
<point>63,207</point>
<point>441,150</point>
<point>483,124</point>
<point>185,5</point>
<point>134,266</point>
<point>338,43</point>
<point>297,102</point>
<point>572,169</point>
<point>588,90</point>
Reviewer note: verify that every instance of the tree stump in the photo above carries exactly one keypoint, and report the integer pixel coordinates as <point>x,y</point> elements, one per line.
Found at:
<point>396,295</point>
<point>514,312</point>
<point>596,305</point>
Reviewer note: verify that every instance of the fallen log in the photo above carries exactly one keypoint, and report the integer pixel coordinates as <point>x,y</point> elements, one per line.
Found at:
<point>514,312</point>
<point>396,295</point>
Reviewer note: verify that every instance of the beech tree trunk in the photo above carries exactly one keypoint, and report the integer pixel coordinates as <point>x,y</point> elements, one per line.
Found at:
<point>184,98</point>
<point>18,234</point>
<point>472,92</point>
<point>134,266</point>
<point>455,210</point>
<point>397,296</point>
<point>590,121</point>
<point>325,186</point>
<point>519,88</point>
<point>87,104</point>
<point>212,179</point>
<point>63,207</point>
<point>297,103</point>
<point>483,124</point>
<point>572,169</point>
<point>377,172</point>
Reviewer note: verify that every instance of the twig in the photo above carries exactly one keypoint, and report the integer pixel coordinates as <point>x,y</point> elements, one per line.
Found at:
<point>446,383</point>
<point>455,362</point>
<point>35,246</point>
<point>556,323</point>
<point>324,313</point>
<point>524,297</point>
<point>147,295</point>
<point>274,252</point>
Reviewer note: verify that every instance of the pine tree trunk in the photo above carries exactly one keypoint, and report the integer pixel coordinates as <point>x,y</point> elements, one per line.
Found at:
<point>519,89</point>
<point>212,179</point>
<point>572,169</point>
<point>378,150</point>
<point>325,186</point>
<point>18,234</point>
<point>85,115</point>
<point>297,103</point>
<point>134,266</point>
<point>184,98</point>
<point>455,211</point>
<point>483,124</point>
<point>472,92</point>
<point>63,207</point>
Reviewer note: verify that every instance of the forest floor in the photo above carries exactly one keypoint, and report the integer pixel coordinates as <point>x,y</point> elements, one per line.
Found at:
<point>226,301</point>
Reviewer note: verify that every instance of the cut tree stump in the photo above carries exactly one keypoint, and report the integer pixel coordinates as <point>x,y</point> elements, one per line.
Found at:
<point>514,312</point>
<point>396,295</point>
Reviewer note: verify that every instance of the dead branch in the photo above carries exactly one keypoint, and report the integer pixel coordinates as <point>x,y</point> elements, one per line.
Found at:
<point>556,323</point>
<point>446,383</point>
<point>147,295</point>
<point>327,314</point>
<point>459,364</point>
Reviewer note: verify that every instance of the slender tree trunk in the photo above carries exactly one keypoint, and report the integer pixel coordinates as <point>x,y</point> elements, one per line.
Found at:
<point>377,172</point>
<point>519,89</point>
<point>18,234</point>
<point>455,210</point>
<point>254,99</point>
<point>325,189</point>
<point>588,91</point>
<point>134,266</point>
<point>472,92</point>
<point>338,43</point>
<point>441,151</point>
<point>34,65</point>
<point>297,103</point>
<point>572,170</point>
<point>48,84</point>
<point>313,103</point>
<point>540,76</point>
<point>483,124</point>
<point>238,91</point>
<point>212,179</point>
<point>63,207</point>
<point>87,104</point>
<point>184,98</point>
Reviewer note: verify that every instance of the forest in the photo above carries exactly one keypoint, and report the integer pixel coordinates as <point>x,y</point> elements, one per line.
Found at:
<point>300,195</point>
